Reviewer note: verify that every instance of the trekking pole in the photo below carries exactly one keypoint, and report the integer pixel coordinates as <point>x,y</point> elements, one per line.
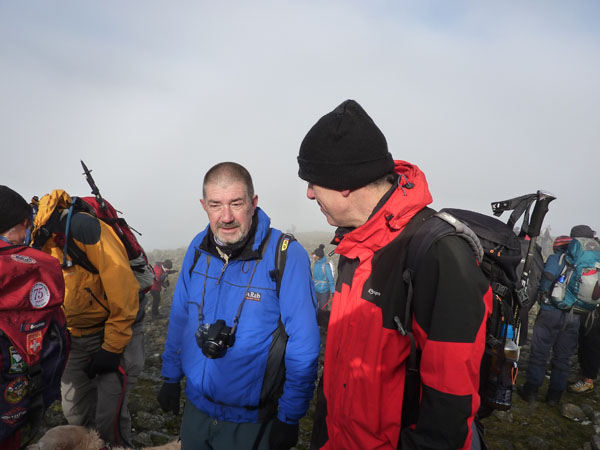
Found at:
<point>119,439</point>
<point>326,304</point>
<point>88,176</point>
<point>533,230</point>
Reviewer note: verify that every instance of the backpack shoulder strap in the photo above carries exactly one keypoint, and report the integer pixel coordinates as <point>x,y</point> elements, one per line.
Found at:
<point>433,227</point>
<point>281,258</point>
<point>77,255</point>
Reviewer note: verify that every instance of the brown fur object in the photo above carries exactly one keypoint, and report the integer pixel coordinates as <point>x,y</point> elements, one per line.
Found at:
<point>75,437</point>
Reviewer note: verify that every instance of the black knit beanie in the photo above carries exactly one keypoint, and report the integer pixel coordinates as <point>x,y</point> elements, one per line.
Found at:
<point>319,251</point>
<point>582,231</point>
<point>344,150</point>
<point>13,209</point>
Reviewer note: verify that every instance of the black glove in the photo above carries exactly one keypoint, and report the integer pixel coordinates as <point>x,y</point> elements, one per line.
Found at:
<point>168,397</point>
<point>283,435</point>
<point>103,361</point>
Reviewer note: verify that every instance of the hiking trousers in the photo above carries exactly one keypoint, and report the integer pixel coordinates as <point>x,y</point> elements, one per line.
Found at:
<point>556,331</point>
<point>101,402</point>
<point>155,302</point>
<point>588,354</point>
<point>322,298</point>
<point>199,431</point>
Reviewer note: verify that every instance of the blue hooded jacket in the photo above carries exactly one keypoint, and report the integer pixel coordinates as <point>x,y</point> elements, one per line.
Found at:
<point>238,387</point>
<point>323,277</point>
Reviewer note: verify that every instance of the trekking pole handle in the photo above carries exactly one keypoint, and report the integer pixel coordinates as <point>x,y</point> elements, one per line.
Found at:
<point>539,212</point>
<point>88,176</point>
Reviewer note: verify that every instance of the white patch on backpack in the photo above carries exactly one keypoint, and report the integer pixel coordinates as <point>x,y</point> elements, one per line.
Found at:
<point>39,295</point>
<point>254,296</point>
<point>17,364</point>
<point>23,259</point>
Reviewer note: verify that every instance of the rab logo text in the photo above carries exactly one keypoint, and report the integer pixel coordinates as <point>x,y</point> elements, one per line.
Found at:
<point>254,296</point>
<point>375,293</point>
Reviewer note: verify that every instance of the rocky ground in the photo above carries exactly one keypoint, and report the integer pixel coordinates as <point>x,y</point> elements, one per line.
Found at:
<point>574,424</point>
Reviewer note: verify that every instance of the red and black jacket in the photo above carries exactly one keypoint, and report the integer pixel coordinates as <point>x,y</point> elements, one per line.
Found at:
<point>365,356</point>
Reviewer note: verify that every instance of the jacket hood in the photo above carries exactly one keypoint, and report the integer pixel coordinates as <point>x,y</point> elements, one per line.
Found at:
<point>58,198</point>
<point>410,196</point>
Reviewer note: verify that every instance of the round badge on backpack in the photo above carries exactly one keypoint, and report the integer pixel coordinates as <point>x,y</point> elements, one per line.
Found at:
<point>23,259</point>
<point>39,295</point>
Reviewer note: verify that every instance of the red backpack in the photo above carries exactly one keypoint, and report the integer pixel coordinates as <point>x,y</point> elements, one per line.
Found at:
<point>135,253</point>
<point>34,342</point>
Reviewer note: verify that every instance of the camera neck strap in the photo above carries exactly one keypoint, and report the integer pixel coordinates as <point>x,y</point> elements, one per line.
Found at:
<point>236,319</point>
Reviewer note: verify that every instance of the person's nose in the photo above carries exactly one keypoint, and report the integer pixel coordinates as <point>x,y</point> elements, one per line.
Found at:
<point>227,214</point>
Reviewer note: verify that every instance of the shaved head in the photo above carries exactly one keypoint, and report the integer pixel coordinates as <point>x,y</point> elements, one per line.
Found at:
<point>226,173</point>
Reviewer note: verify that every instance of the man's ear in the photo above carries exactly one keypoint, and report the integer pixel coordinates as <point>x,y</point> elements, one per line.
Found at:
<point>202,203</point>
<point>345,192</point>
<point>254,201</point>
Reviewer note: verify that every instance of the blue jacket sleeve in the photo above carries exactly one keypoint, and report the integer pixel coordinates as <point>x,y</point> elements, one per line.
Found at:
<point>171,367</point>
<point>298,308</point>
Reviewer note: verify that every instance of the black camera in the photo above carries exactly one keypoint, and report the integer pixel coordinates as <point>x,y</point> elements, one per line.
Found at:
<point>214,339</point>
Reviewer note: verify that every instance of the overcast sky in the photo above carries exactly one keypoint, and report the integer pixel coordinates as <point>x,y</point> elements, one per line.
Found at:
<point>490,99</point>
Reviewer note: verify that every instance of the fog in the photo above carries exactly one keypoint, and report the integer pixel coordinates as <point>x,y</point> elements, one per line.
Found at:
<point>490,99</point>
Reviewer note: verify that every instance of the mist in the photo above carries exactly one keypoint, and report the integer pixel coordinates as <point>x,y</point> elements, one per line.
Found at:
<point>490,99</point>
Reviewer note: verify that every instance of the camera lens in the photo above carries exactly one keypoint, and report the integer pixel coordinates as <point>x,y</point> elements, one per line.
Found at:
<point>213,350</point>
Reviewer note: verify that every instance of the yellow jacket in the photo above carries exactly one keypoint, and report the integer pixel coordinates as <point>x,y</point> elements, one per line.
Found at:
<point>93,302</point>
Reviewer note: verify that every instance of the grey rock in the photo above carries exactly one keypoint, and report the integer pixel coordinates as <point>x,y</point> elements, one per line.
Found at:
<point>537,442</point>
<point>504,416</point>
<point>588,410</point>
<point>159,438</point>
<point>573,412</point>
<point>143,439</point>
<point>148,421</point>
<point>505,444</point>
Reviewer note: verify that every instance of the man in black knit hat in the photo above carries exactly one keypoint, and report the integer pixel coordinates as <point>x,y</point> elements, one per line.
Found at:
<point>15,216</point>
<point>371,199</point>
<point>31,293</point>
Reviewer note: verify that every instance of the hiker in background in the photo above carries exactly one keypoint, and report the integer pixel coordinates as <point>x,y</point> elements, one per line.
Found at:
<point>31,318</point>
<point>243,329</point>
<point>554,330</point>
<point>588,350</point>
<point>101,305</point>
<point>322,277</point>
<point>162,270</point>
<point>557,325</point>
<point>371,198</point>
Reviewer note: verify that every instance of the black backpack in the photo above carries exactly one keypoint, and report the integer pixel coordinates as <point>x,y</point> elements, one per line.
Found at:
<point>500,256</point>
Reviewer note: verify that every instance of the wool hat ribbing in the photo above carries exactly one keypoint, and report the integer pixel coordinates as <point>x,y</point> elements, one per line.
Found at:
<point>344,150</point>
<point>13,208</point>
